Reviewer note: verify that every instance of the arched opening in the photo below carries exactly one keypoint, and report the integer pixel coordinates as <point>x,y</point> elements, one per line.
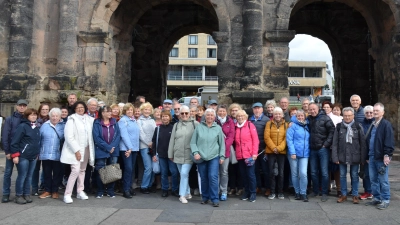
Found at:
<point>144,34</point>
<point>346,32</point>
<point>310,63</point>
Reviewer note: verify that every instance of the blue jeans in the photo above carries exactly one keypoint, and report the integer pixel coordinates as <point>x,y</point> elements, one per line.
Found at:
<point>379,183</point>
<point>148,168</point>
<point>100,163</point>
<point>35,176</point>
<point>319,163</point>
<point>184,169</point>
<point>354,178</point>
<point>366,179</point>
<point>248,176</point>
<point>167,165</point>
<point>25,169</point>
<point>263,165</point>
<point>209,179</point>
<point>7,176</point>
<point>129,169</point>
<point>298,168</point>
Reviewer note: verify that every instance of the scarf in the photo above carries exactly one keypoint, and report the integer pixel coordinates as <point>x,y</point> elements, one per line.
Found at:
<point>349,134</point>
<point>222,120</point>
<point>278,124</point>
<point>241,125</point>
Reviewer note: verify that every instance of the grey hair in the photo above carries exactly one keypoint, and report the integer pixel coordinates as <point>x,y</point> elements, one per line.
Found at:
<point>300,111</point>
<point>194,107</point>
<point>347,109</point>
<point>55,110</point>
<point>195,99</point>
<point>381,105</point>
<point>101,102</point>
<point>270,102</point>
<point>284,98</point>
<point>184,107</point>
<point>305,99</point>
<point>278,110</point>
<point>72,94</point>
<point>211,110</point>
<point>369,108</point>
<point>355,96</point>
<point>92,99</point>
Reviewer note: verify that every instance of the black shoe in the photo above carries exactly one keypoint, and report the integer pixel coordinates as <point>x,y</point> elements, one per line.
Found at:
<point>205,202</point>
<point>152,189</point>
<point>5,199</point>
<point>297,196</point>
<point>164,194</point>
<point>144,191</point>
<point>127,194</point>
<point>304,198</point>
<point>132,192</point>
<point>28,198</point>
<point>19,200</point>
<point>215,204</point>
<point>175,193</point>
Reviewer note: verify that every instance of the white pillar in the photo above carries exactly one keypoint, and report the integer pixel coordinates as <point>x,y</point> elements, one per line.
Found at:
<point>183,71</point>
<point>203,73</point>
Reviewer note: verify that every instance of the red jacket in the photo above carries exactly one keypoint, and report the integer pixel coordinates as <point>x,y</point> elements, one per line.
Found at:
<point>246,141</point>
<point>229,131</point>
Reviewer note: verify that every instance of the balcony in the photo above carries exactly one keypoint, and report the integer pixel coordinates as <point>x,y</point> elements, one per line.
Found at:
<point>177,80</point>
<point>193,78</point>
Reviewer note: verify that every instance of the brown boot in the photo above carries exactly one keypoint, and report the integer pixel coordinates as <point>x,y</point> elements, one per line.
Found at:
<point>355,200</point>
<point>45,195</point>
<point>343,198</point>
<point>54,195</point>
<point>267,192</point>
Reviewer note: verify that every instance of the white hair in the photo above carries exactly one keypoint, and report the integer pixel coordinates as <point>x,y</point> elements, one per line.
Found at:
<point>368,108</point>
<point>278,110</point>
<point>270,102</point>
<point>121,104</point>
<point>381,105</point>
<point>210,110</point>
<point>348,109</point>
<point>55,110</point>
<point>184,107</point>
<point>92,99</point>
<point>355,96</point>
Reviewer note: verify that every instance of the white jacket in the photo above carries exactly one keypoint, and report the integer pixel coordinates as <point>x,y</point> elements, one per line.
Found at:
<point>74,139</point>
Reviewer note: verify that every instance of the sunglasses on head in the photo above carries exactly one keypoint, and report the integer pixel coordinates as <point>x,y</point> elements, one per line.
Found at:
<point>184,113</point>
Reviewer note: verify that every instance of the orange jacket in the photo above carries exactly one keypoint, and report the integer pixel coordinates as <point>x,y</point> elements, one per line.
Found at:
<point>275,137</point>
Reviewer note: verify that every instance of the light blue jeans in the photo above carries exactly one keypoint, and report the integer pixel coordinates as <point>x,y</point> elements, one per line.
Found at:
<point>148,168</point>
<point>379,182</point>
<point>298,168</point>
<point>184,169</point>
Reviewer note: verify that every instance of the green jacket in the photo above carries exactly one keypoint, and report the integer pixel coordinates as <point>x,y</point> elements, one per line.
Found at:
<point>179,145</point>
<point>208,141</point>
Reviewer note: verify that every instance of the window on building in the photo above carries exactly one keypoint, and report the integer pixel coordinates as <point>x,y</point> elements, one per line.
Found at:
<point>210,40</point>
<point>313,72</point>
<point>192,39</point>
<point>302,91</point>
<point>174,52</point>
<point>211,73</point>
<point>192,53</point>
<point>211,53</point>
<point>174,72</point>
<point>193,72</point>
<point>295,72</point>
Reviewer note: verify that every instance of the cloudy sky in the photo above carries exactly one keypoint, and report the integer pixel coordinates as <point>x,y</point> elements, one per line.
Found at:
<point>307,48</point>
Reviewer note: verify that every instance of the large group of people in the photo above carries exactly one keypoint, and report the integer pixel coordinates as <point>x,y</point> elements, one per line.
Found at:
<point>216,151</point>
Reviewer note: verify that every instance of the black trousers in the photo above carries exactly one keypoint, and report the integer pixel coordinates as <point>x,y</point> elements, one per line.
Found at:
<point>235,178</point>
<point>53,173</point>
<point>280,159</point>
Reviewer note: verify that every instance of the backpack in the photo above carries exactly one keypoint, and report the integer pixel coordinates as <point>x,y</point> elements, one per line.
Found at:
<point>176,127</point>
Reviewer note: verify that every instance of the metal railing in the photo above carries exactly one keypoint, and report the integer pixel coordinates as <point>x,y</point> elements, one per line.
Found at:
<point>179,77</point>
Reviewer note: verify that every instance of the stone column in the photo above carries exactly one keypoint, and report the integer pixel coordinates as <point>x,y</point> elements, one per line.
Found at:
<point>67,48</point>
<point>21,23</point>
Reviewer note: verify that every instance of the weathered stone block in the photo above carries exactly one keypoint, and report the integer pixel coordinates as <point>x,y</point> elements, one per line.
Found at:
<point>249,97</point>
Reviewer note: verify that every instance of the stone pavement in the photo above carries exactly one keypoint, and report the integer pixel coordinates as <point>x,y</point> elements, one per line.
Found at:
<point>153,209</point>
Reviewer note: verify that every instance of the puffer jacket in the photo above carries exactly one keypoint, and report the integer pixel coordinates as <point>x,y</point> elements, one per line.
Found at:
<point>229,131</point>
<point>260,127</point>
<point>9,127</point>
<point>147,125</point>
<point>246,141</point>
<point>102,148</point>
<point>130,132</point>
<point>50,140</point>
<point>179,145</point>
<point>26,141</point>
<point>346,153</point>
<point>275,137</point>
<point>321,131</point>
<point>297,139</point>
<point>359,114</point>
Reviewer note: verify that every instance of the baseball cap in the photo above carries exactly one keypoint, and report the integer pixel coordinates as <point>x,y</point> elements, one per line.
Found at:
<point>167,101</point>
<point>22,102</point>
<point>212,101</point>
<point>257,104</point>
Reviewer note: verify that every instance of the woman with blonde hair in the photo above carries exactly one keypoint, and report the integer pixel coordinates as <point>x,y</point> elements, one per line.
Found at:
<point>115,112</point>
<point>232,111</point>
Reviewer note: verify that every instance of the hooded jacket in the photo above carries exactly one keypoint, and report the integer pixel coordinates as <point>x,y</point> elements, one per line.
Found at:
<point>102,148</point>
<point>26,141</point>
<point>146,126</point>
<point>297,139</point>
<point>321,131</point>
<point>129,130</point>
<point>51,141</point>
<point>208,141</point>
<point>275,137</point>
<point>179,145</point>
<point>246,141</point>
<point>229,131</point>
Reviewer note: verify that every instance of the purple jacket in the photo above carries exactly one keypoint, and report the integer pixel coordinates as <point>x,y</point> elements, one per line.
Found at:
<point>229,131</point>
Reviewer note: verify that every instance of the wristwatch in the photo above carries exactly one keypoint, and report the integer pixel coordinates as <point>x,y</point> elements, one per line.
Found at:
<point>386,156</point>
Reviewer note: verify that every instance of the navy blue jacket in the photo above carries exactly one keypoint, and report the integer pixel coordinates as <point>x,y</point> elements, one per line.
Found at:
<point>366,124</point>
<point>384,140</point>
<point>9,128</point>
<point>163,141</point>
<point>359,115</point>
<point>260,127</point>
<point>102,148</point>
<point>26,141</point>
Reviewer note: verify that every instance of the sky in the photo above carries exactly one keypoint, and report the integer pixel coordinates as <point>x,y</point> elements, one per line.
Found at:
<point>308,48</point>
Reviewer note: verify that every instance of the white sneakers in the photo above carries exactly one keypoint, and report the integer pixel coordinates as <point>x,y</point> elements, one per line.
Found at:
<point>189,196</point>
<point>82,195</point>
<point>183,200</point>
<point>68,199</point>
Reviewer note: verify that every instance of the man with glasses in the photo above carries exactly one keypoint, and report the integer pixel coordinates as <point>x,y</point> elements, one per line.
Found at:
<point>284,104</point>
<point>92,105</point>
<point>176,116</point>
<point>364,169</point>
<point>7,135</point>
<point>380,144</point>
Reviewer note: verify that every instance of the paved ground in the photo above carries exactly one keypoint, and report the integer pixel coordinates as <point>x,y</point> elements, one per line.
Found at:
<point>153,209</point>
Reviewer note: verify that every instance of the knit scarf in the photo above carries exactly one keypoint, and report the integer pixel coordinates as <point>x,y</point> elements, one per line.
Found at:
<point>349,134</point>
<point>222,120</point>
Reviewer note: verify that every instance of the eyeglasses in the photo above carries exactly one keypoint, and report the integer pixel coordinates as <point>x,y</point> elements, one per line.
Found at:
<point>368,112</point>
<point>184,113</point>
<point>177,109</point>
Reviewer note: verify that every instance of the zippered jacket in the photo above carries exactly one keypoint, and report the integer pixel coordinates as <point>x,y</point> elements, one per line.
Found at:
<point>275,137</point>
<point>297,139</point>
<point>246,141</point>
<point>102,148</point>
<point>129,130</point>
<point>50,140</point>
<point>9,127</point>
<point>26,141</point>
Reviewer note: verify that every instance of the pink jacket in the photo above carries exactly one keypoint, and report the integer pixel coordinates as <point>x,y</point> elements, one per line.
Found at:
<point>229,131</point>
<point>246,141</point>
